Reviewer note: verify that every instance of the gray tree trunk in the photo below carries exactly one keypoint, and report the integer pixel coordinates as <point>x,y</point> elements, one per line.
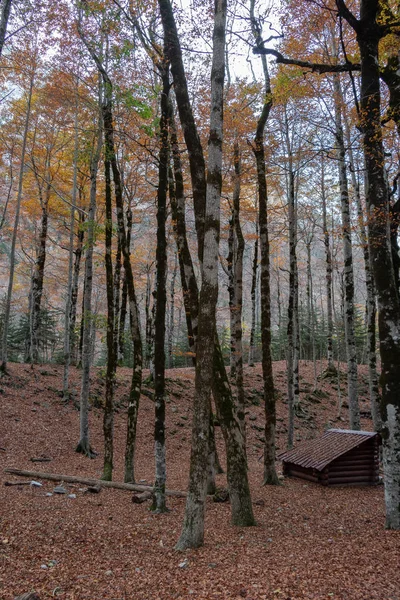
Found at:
<point>370,287</point>
<point>69,324</point>
<point>328,277</point>
<point>351,350</point>
<point>193,528</point>
<point>84,446</point>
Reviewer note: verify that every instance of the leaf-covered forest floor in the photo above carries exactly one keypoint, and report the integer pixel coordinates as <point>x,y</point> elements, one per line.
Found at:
<point>310,542</point>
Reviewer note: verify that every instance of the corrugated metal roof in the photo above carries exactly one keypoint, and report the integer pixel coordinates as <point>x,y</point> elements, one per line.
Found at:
<point>318,453</point>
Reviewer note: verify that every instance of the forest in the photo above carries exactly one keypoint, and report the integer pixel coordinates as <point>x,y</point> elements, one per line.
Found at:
<point>199,273</point>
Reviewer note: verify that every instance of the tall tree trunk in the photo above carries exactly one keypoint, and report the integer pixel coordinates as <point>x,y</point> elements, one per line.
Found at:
<point>150,309</point>
<point>108,417</point>
<point>7,308</point>
<point>368,37</point>
<point>193,528</point>
<point>136,381</point>
<point>68,325</point>
<point>253,295</point>
<point>230,259</point>
<point>38,277</point>
<point>236,458</point>
<point>270,475</point>
<point>161,300</point>
<point>171,326</point>
<point>124,296</point>
<point>87,317</point>
<point>371,296</point>
<point>75,289</point>
<point>117,297</point>
<point>351,350</point>
<point>331,369</point>
<point>292,358</point>
<point>238,291</point>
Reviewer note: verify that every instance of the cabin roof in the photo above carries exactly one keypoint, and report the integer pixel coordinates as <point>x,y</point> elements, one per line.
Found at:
<point>318,453</point>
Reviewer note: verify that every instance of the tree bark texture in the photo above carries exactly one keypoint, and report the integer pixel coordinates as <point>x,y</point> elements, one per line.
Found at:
<point>161,299</point>
<point>193,527</point>
<point>108,417</point>
<point>328,277</point>
<point>369,34</point>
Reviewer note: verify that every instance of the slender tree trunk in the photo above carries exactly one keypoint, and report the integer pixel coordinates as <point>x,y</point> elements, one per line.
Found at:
<point>136,381</point>
<point>87,317</point>
<point>270,475</point>
<point>171,327</point>
<point>75,289</point>
<point>37,279</point>
<point>230,259</point>
<point>108,417</point>
<point>7,308</point>
<point>117,298</point>
<point>150,310</point>
<point>292,359</point>
<point>328,277</point>
<point>124,296</point>
<point>68,325</point>
<point>161,300</point>
<point>253,295</point>
<point>238,292</point>
<point>351,350</point>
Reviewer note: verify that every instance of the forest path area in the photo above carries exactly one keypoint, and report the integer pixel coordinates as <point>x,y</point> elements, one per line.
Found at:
<point>310,541</point>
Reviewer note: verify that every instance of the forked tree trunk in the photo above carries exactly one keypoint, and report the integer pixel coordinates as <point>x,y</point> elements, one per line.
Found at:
<point>193,528</point>
<point>237,471</point>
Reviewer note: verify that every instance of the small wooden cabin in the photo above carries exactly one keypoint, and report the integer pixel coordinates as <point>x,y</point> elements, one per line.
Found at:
<point>338,457</point>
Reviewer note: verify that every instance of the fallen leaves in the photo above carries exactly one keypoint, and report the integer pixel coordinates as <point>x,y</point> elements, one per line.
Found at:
<point>311,542</point>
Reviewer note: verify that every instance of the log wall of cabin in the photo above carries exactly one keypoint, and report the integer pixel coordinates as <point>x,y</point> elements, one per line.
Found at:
<point>358,466</point>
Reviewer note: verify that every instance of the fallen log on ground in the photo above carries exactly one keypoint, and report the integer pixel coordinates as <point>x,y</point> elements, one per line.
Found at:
<point>130,487</point>
<point>10,483</point>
